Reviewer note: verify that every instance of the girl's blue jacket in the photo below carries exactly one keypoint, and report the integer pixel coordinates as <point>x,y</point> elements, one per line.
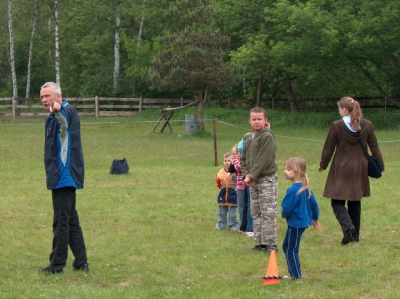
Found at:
<point>298,209</point>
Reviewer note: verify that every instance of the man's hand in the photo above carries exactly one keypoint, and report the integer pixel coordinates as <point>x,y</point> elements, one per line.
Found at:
<point>55,107</point>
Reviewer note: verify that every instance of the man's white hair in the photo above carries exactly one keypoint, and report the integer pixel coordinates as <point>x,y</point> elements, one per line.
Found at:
<point>54,87</point>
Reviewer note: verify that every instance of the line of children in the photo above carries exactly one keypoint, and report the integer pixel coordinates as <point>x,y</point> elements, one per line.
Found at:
<point>255,169</point>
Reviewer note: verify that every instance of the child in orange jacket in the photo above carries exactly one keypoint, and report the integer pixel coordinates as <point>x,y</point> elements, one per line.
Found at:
<point>227,200</point>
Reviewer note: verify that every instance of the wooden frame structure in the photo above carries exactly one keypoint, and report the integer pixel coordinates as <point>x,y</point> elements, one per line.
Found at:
<point>166,114</point>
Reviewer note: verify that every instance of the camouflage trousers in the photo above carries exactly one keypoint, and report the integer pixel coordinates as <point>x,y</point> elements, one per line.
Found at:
<point>264,211</point>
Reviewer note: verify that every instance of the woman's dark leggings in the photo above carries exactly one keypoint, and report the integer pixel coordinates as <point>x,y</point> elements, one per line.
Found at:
<point>348,218</point>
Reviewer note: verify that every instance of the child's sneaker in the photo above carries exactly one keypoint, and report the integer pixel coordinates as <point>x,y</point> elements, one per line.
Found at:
<point>297,280</point>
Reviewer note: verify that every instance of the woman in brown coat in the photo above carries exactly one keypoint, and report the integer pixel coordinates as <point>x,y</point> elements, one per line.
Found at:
<point>347,179</point>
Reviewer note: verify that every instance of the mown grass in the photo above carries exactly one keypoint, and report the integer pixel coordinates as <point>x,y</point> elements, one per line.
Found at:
<point>150,233</point>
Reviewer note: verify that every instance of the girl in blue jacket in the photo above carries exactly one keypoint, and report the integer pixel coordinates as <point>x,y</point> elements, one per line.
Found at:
<point>300,209</point>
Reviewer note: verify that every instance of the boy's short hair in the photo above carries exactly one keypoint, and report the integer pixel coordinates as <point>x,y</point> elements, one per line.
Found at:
<point>228,154</point>
<point>258,110</point>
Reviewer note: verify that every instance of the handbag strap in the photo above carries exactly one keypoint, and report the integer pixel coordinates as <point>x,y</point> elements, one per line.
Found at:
<point>363,148</point>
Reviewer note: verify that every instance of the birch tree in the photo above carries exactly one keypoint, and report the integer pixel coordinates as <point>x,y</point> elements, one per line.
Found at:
<point>34,22</point>
<point>117,45</point>
<point>57,44</point>
<point>140,33</point>
<point>12,55</point>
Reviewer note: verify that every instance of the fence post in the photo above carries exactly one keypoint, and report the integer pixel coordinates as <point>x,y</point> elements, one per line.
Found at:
<point>181,102</point>
<point>215,142</point>
<point>96,106</point>
<point>140,104</point>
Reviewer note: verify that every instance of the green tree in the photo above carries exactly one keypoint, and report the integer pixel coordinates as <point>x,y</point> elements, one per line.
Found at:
<point>146,20</point>
<point>335,47</point>
<point>193,58</point>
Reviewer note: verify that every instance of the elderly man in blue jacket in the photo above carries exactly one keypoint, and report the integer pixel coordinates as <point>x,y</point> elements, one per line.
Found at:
<point>63,159</point>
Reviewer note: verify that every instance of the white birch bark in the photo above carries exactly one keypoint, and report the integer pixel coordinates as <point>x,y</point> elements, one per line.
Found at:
<point>12,57</point>
<point>57,46</point>
<point>140,34</point>
<point>139,38</point>
<point>116,45</point>
<point>33,33</point>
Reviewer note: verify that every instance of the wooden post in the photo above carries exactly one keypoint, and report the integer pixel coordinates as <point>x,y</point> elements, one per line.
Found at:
<point>215,142</point>
<point>181,102</point>
<point>13,104</point>
<point>96,106</point>
<point>140,104</point>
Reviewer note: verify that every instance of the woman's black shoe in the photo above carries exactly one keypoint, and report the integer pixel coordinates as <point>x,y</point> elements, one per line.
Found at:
<point>49,270</point>
<point>348,236</point>
<point>83,268</point>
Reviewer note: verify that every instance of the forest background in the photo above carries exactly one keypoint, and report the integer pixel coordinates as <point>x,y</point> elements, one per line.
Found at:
<point>202,49</point>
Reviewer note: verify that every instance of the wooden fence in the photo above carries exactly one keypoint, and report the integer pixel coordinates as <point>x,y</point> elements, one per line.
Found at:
<point>96,106</point>
<point>99,106</point>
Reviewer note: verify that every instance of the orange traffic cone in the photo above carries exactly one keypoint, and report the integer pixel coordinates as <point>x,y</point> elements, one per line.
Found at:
<point>272,275</point>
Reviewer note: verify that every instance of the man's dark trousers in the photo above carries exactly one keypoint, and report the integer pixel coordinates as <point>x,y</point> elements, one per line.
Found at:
<point>66,230</point>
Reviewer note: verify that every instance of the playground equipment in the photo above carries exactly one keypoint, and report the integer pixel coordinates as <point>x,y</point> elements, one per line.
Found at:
<point>166,114</point>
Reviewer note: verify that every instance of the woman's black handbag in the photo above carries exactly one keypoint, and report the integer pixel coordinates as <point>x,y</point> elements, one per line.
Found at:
<point>374,169</point>
<point>119,166</point>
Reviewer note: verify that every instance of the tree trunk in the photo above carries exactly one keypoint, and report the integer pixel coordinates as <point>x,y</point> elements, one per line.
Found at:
<point>139,40</point>
<point>287,86</point>
<point>12,57</point>
<point>57,44</point>
<point>378,87</point>
<point>203,98</point>
<point>34,22</point>
<point>140,33</point>
<point>260,81</point>
<point>116,45</point>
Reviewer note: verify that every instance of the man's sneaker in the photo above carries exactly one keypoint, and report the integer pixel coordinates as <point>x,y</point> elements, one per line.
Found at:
<point>288,276</point>
<point>348,236</point>
<point>271,248</point>
<point>83,268</point>
<point>249,234</point>
<point>48,270</point>
<point>259,248</point>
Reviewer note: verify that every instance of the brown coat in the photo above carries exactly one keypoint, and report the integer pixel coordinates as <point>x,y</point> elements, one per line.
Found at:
<point>348,174</point>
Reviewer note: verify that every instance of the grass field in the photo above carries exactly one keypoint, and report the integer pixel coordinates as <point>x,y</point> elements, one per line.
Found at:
<point>150,233</point>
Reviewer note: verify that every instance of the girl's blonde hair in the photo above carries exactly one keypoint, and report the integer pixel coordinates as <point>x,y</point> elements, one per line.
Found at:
<point>298,165</point>
<point>355,111</point>
<point>235,148</point>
